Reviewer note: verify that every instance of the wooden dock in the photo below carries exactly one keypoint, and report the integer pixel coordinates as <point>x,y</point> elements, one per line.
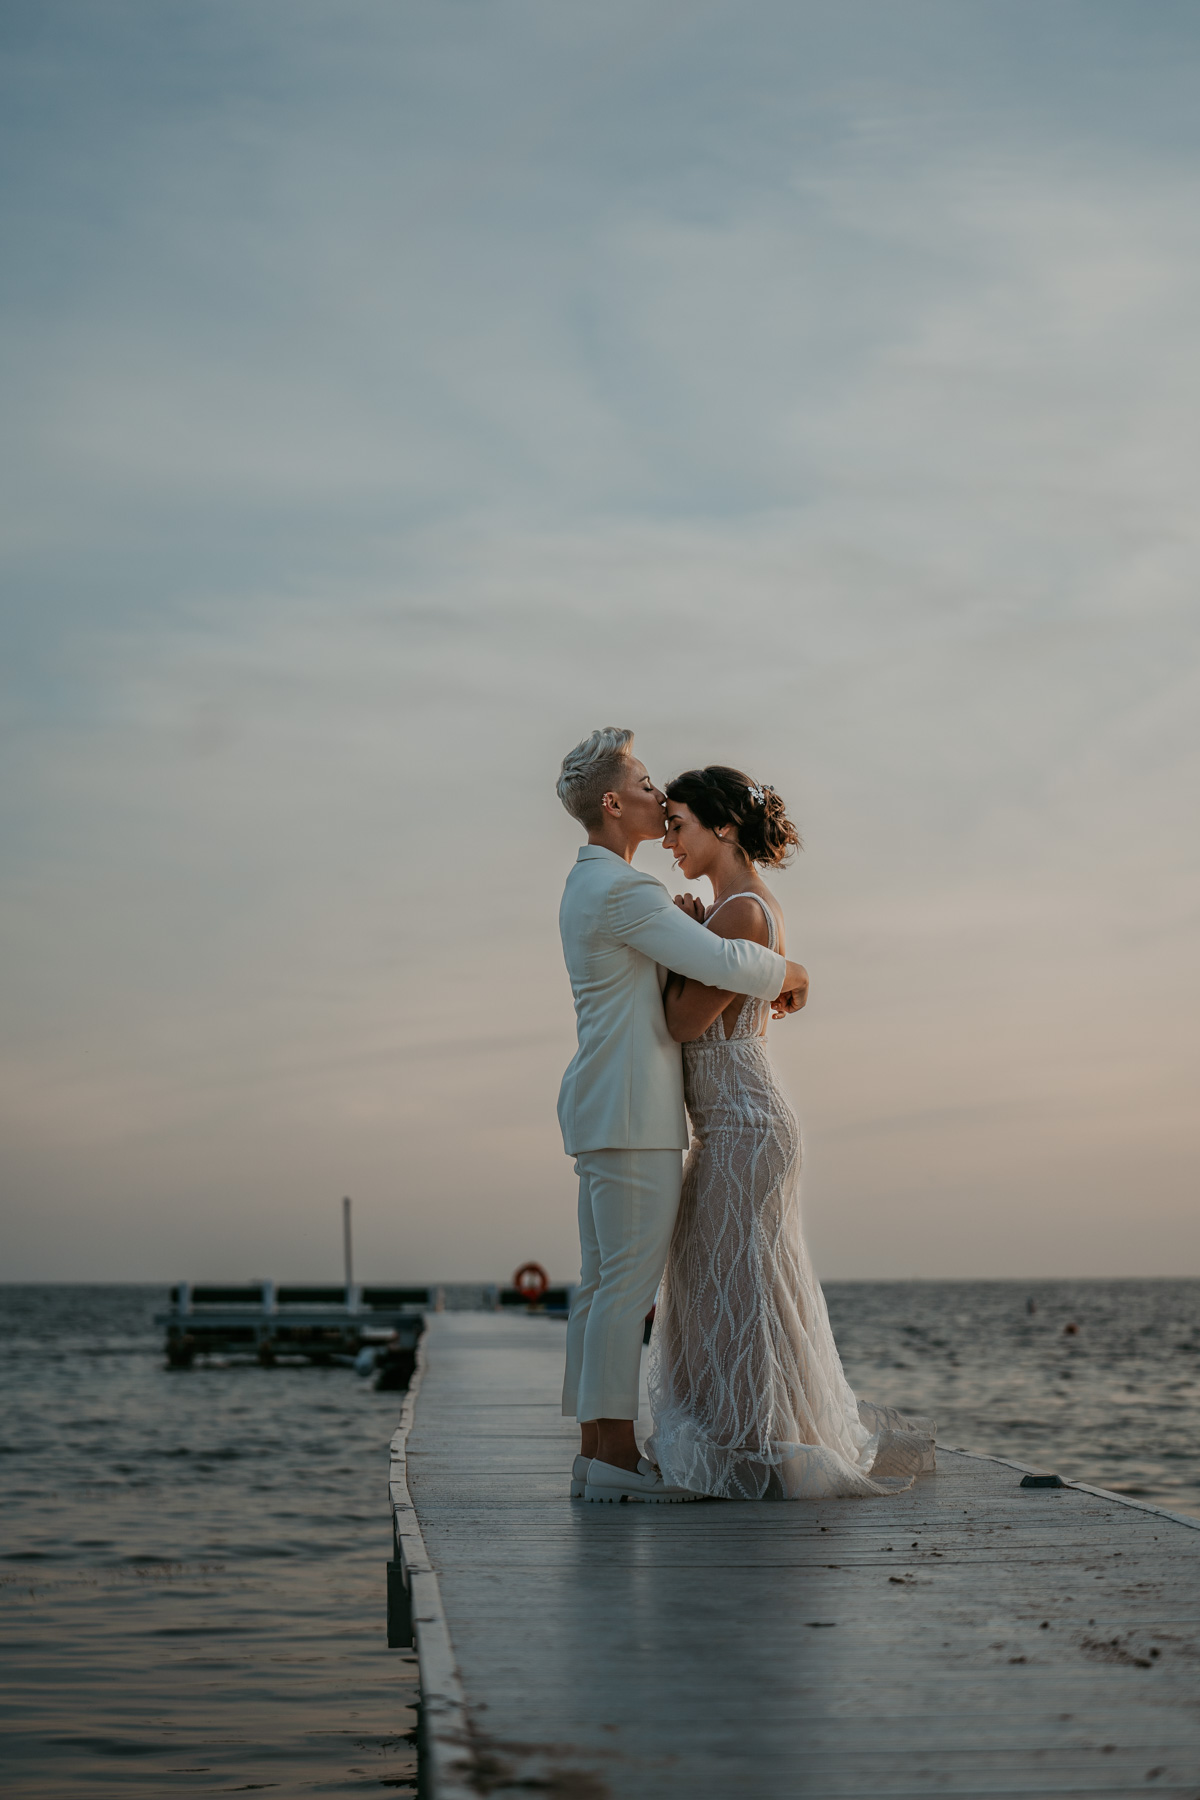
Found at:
<point>969,1637</point>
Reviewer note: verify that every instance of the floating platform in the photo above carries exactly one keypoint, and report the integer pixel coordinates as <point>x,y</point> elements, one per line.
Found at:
<point>261,1319</point>
<point>267,1320</point>
<point>971,1636</point>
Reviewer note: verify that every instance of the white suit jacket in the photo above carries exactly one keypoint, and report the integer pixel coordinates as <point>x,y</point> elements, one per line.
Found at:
<point>622,934</point>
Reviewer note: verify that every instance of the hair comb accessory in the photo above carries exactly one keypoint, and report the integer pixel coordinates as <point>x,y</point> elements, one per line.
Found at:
<point>759,794</point>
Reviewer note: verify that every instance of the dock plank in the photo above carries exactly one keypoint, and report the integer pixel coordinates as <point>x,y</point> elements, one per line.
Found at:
<point>968,1637</point>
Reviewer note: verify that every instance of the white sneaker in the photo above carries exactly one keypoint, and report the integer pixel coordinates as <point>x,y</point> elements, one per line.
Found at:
<point>606,1482</point>
<point>579,1475</point>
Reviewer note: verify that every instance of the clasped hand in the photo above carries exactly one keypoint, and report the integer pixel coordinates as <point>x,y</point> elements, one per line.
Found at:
<point>794,992</point>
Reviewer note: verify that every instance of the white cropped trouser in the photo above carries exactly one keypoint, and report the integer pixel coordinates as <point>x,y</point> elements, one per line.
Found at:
<point>627,1205</point>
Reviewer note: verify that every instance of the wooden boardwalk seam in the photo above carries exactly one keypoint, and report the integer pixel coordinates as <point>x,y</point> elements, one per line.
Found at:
<point>969,1637</point>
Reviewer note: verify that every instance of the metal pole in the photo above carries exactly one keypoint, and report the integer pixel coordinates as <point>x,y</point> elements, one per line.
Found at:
<point>346,1242</point>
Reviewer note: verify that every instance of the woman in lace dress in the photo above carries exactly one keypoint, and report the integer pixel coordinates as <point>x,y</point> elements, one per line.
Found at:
<point>747,1392</point>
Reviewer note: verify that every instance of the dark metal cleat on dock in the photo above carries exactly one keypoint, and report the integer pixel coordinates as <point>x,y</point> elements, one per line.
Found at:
<point>1042,1478</point>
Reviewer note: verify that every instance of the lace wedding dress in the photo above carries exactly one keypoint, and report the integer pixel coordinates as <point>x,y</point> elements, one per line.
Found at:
<point>747,1393</point>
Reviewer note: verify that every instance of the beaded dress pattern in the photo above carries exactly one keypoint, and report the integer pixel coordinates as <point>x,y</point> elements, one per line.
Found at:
<point>747,1392</point>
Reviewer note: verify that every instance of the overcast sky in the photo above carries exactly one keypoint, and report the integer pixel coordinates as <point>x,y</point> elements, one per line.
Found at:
<point>393,393</point>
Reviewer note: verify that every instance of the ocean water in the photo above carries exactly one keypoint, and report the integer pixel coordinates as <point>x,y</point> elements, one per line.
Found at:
<point>1114,1401</point>
<point>192,1566</point>
<point>192,1590</point>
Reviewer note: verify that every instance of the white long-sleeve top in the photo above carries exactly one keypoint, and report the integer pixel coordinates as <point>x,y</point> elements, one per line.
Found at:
<point>622,935</point>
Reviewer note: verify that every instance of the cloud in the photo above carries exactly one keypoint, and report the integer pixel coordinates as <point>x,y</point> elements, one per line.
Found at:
<point>393,405</point>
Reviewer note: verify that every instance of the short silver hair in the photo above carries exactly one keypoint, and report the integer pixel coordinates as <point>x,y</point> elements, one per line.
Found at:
<point>591,770</point>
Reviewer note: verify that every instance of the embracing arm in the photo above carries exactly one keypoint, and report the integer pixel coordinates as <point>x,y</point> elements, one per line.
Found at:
<point>642,914</point>
<point>691,1007</point>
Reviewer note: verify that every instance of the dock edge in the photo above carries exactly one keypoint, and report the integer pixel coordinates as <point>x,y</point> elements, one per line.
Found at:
<point>1083,1487</point>
<point>446,1748</point>
<point>445,1741</point>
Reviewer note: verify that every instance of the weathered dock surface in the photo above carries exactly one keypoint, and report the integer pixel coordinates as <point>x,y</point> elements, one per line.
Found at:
<point>969,1637</point>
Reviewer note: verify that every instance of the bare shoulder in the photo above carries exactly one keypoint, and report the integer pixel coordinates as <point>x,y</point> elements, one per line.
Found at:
<point>742,917</point>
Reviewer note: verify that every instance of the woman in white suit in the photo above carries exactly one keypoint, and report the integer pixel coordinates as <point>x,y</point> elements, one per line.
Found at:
<point>621,1104</point>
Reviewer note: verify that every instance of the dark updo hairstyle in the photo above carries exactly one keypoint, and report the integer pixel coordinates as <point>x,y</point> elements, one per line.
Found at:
<point>720,796</point>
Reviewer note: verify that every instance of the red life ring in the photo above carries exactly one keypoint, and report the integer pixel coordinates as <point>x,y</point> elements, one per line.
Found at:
<point>531,1280</point>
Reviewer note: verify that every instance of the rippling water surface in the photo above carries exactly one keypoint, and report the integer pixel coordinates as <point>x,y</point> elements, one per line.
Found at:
<point>1115,1402</point>
<point>192,1567</point>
